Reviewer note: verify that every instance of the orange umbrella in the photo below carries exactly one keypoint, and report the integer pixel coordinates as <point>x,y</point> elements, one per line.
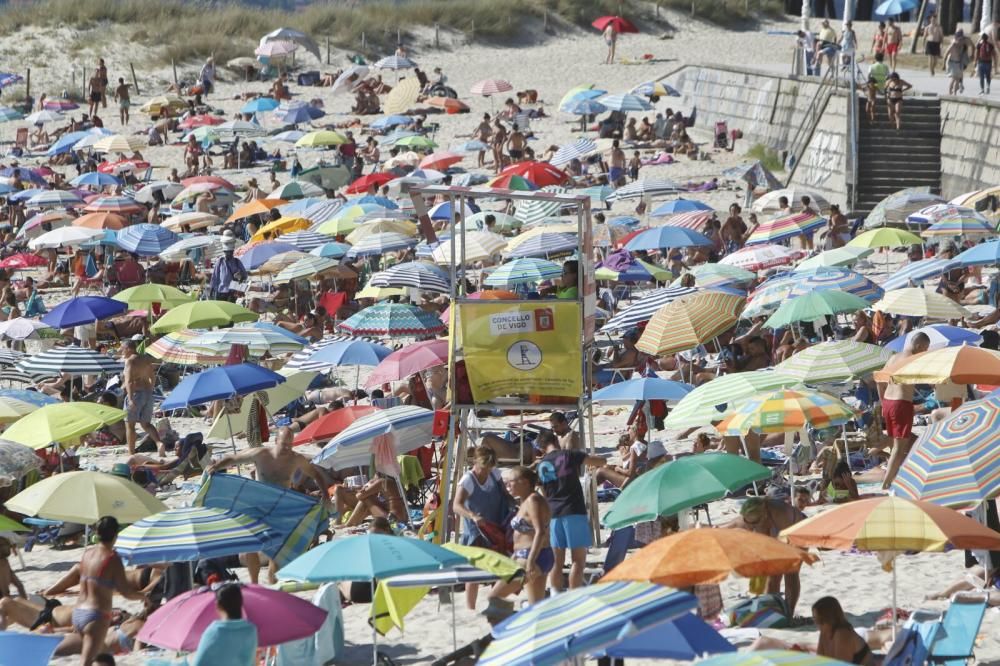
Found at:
<point>961,365</point>
<point>441,160</point>
<point>709,555</point>
<point>449,104</point>
<point>100,221</point>
<point>256,207</point>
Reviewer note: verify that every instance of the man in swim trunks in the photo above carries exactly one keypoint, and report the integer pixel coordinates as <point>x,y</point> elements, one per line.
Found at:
<point>516,144</point>
<point>893,40</point>
<point>616,172</point>
<point>138,380</point>
<point>124,101</point>
<point>770,517</point>
<point>897,405</point>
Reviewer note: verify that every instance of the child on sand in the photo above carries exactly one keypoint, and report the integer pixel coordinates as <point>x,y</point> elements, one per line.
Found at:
<point>633,166</point>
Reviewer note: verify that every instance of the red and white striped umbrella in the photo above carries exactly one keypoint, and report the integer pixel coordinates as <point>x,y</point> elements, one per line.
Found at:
<point>694,220</point>
<point>491,87</point>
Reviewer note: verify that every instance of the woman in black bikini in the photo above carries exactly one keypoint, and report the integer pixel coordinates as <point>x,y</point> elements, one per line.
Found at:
<point>837,638</point>
<point>894,89</point>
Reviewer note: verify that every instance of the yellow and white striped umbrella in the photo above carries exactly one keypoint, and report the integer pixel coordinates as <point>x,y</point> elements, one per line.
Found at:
<point>918,302</point>
<point>690,321</point>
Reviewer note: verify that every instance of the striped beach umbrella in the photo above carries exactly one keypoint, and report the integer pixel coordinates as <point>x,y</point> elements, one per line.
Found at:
<point>478,245</point>
<point>257,341</point>
<point>533,212</point>
<point>380,226</point>
<point>416,274</point>
<point>815,305</point>
<point>895,208</point>
<point>680,205</point>
<point>331,250</point>
<point>625,103</point>
<point>381,243</point>
<point>786,410</point>
<point>489,87</point>
<point>835,361</point>
<point>114,204</point>
<point>785,227</point>
<point>659,238</point>
<point>580,621</point>
<point>839,257</point>
<point>544,245</point>
<point>759,257</point>
<point>984,254</point>
<point>529,270</point>
<point>715,275</point>
<point>190,533</point>
<point>209,245</point>
<point>931,214</point>
<point>53,199</point>
<point>689,321</point>
<point>643,309</point>
<point>296,189</point>
<point>914,273</point>
<point>772,293</point>
<point>307,267</point>
<point>647,187</point>
<point>146,240</point>
<point>770,202</point>
<point>771,658</point>
<point>655,89</point>
<point>573,151</point>
<point>410,427</point>
<point>955,462</point>
<point>352,351</point>
<point>635,271</point>
<point>393,320</point>
<point>300,359</point>
<point>695,220</point>
<point>959,365</point>
<point>754,173</point>
<point>918,302</point>
<point>940,336</point>
<point>172,348</point>
<point>71,360</point>
<point>967,223</point>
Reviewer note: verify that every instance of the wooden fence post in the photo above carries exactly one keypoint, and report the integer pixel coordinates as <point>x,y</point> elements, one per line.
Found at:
<point>27,85</point>
<point>437,36</point>
<point>173,65</point>
<point>328,49</point>
<point>364,42</point>
<point>135,79</point>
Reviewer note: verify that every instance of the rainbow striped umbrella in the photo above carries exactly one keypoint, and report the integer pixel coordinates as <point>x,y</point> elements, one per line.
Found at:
<point>956,462</point>
<point>963,222</point>
<point>172,348</point>
<point>189,534</point>
<point>834,361</point>
<point>786,410</point>
<point>711,401</point>
<point>716,275</point>
<point>785,227</point>
<point>774,292</point>
<point>689,321</point>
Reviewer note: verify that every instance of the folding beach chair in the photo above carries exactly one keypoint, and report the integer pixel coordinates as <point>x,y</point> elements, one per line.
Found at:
<point>956,638</point>
<point>618,545</point>
<point>913,642</point>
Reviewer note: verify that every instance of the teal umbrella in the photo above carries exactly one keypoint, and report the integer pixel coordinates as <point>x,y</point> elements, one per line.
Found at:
<point>682,484</point>
<point>814,305</point>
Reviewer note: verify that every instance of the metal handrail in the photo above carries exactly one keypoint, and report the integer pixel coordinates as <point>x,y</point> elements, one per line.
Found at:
<point>813,114</point>
<point>852,140</point>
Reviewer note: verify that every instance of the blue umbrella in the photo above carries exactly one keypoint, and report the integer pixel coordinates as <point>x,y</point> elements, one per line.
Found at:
<point>661,237</point>
<point>27,175</point>
<point>146,240</point>
<point>470,147</point>
<point>36,398</point>
<point>83,310</point>
<point>367,557</point>
<point>221,383</point>
<point>66,142</point>
<point>624,221</point>
<point>918,271</point>
<point>391,121</point>
<point>679,206</point>
<point>984,254</point>
<point>261,252</point>
<point>591,93</point>
<point>268,326</point>
<point>442,211</point>
<point>377,200</point>
<point>941,336</point>
<point>896,7</point>
<point>9,78</point>
<point>331,250</point>
<point>301,113</point>
<point>349,352</point>
<point>24,195</point>
<point>95,178</point>
<point>260,104</point>
<point>643,388</point>
<point>108,238</point>
<point>686,638</point>
<point>585,107</point>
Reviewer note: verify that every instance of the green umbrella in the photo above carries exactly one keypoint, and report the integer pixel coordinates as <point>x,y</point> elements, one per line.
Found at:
<point>143,296</point>
<point>835,361</point>
<point>682,484</point>
<point>815,305</point>
<point>710,402</point>
<point>885,237</point>
<point>202,314</point>
<point>10,525</point>
<point>841,256</point>
<point>416,142</point>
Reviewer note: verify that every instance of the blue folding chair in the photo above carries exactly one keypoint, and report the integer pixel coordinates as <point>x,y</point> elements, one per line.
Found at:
<point>20,649</point>
<point>956,639</point>
<point>913,642</point>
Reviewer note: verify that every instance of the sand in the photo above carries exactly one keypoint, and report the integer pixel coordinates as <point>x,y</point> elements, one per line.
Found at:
<point>550,68</point>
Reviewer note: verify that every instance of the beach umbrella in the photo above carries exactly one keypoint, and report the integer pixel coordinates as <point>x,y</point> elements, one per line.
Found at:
<point>300,359</point>
<point>390,121</point>
<point>307,267</point>
<point>769,203</point>
<point>63,237</point>
<point>202,314</point>
<point>968,224</point>
<point>118,143</point>
<point>895,208</point>
<point>984,254</point>
<point>393,320</point>
<point>931,214</point>
<point>885,237</point>
<point>10,357</point>
<point>210,247</point>
<point>786,410</point>
<point>642,388</point>
<point>255,207</point>
<point>523,271</point>
<point>351,78</point>
<point>587,91</point>
<point>542,245</point>
<point>686,638</point>
<point>296,189</point>
<point>667,236</point>
<point>956,461</point>
<point>958,365</point>
<point>712,401</point>
<point>321,139</point>
<point>64,423</point>
<point>305,241</point>
<point>914,273</point>
<point>85,497</point>
<point>114,204</point>
<point>406,427</point>
<point>21,328</point>
<point>22,260</point>
<point>679,205</point>
<point>71,360</point>
<point>759,257</point>
<point>443,210</point>
<point>276,49</point>
<point>172,348</point>
<point>54,198</point>
<point>512,182</point>
<point>584,107</point>
<point>295,37</point>
<point>645,307</point>
<point>785,227</point>
<point>573,151</point>
<point>539,173</point>
<point>117,168</point>
<point>380,226</point>
<point>580,621</point>
<point>299,113</point>
<point>101,221</point>
<point>344,352</point>
<point>257,341</point>
<point>367,557</point>
<point>635,271</point>
<point>369,181</point>
<point>656,89</point>
<point>940,336</point>
<point>625,103</point>
<point>254,255</point>
<point>279,617</point>
<point>274,399</point>
<point>331,250</point>
<point>381,243</point>
<point>416,141</point>
<point>83,310</point>
<point>755,174</point>
<point>221,383</point>
<point>695,221</point>
<point>416,274</point>
<point>409,360</point>
<point>681,484</point>
<point>841,256</point>
<point>815,305</point>
<point>619,23</point>
<point>689,321</point>
<point>279,262</point>
<point>768,296</point>
<point>488,87</point>
<point>280,226</point>
<point>478,246</point>
<point>189,534</point>
<point>16,459</point>
<point>772,658</point>
<point>332,423</point>
<point>192,221</point>
<point>143,296</point>
<point>714,275</point>
<point>835,361</point>
<point>438,160</point>
<point>402,97</point>
<point>647,187</point>
<point>708,555</point>
<point>918,302</point>
<point>44,116</point>
<point>259,105</point>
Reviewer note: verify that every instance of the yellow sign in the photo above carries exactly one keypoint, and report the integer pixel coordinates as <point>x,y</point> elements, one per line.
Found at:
<point>522,347</point>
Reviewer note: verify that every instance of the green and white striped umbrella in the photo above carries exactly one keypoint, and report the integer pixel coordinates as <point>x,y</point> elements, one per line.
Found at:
<point>523,271</point>
<point>259,341</point>
<point>711,402</point>
<point>190,533</point>
<point>841,256</point>
<point>714,275</point>
<point>533,212</point>
<point>306,268</point>
<point>835,361</point>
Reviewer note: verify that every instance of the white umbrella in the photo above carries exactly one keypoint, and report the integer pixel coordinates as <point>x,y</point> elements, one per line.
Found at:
<point>169,189</point>
<point>295,36</point>
<point>351,77</point>
<point>21,328</point>
<point>211,245</point>
<point>193,221</point>
<point>64,237</point>
<point>44,116</point>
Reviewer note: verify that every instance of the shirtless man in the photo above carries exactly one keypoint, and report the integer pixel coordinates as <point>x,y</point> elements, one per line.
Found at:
<point>516,144</point>
<point>101,573</point>
<point>138,379</point>
<point>124,101</point>
<point>482,134</point>
<point>628,356</point>
<point>96,86</point>
<point>616,172</point>
<point>893,42</point>
<point>569,439</point>
<point>733,229</point>
<point>933,36</point>
<point>897,406</point>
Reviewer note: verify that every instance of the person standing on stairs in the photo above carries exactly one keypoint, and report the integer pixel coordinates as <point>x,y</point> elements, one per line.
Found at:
<point>986,55</point>
<point>894,89</point>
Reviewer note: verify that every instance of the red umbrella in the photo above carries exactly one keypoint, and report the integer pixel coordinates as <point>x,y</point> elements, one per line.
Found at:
<point>121,166</point>
<point>440,160</point>
<point>200,121</point>
<point>620,24</point>
<point>22,260</point>
<point>409,360</point>
<point>449,104</point>
<point>212,180</point>
<point>623,241</point>
<point>539,173</point>
<point>365,183</point>
<point>330,425</point>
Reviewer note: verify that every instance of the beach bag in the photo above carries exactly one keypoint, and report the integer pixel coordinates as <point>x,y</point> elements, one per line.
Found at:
<point>765,611</point>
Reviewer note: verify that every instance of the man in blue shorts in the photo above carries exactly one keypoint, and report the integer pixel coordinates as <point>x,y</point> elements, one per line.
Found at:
<point>559,472</point>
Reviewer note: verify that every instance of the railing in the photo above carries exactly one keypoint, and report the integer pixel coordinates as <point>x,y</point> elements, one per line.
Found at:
<point>851,175</point>
<point>812,116</point>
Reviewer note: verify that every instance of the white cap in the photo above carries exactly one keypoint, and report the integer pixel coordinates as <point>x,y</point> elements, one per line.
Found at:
<point>655,450</point>
<point>228,242</point>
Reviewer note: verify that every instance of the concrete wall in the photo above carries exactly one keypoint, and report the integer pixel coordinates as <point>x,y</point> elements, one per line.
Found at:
<point>824,163</point>
<point>970,145</point>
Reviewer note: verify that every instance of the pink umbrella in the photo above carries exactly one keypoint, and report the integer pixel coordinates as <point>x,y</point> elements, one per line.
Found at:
<point>409,360</point>
<point>280,617</point>
<point>491,87</point>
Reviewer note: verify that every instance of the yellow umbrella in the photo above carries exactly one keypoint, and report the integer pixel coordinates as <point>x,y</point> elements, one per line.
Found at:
<point>959,365</point>
<point>282,225</point>
<point>402,97</point>
<point>380,293</point>
<point>64,422</point>
<point>156,105</point>
<point>690,321</point>
<point>885,237</point>
<point>918,302</point>
<point>321,138</point>
<point>404,227</point>
<point>118,143</point>
<point>86,497</point>
<point>142,297</point>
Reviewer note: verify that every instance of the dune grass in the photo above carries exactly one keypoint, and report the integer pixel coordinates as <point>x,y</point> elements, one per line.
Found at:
<point>730,13</point>
<point>769,158</point>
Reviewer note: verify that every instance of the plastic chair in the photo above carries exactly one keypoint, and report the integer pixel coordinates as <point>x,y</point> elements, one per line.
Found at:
<point>26,649</point>
<point>956,638</point>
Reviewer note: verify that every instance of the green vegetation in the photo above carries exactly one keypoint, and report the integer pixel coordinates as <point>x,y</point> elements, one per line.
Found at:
<point>769,158</point>
<point>730,13</point>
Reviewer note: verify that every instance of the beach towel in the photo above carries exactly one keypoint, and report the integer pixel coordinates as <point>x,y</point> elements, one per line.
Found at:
<point>392,604</point>
<point>325,645</point>
<point>767,610</point>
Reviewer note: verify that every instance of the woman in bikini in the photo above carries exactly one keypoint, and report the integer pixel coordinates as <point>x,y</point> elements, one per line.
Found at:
<point>894,89</point>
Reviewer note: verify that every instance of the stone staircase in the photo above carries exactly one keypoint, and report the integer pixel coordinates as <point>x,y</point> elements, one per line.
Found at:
<point>891,160</point>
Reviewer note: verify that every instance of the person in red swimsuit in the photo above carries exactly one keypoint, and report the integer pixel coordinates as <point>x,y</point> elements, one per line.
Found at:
<point>897,405</point>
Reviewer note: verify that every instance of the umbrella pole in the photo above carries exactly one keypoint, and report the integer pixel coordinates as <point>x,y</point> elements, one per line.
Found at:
<point>229,422</point>
<point>454,637</point>
<point>375,631</point>
<point>894,598</point>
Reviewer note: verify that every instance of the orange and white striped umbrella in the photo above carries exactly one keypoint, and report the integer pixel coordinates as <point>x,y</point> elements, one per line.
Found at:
<point>690,321</point>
